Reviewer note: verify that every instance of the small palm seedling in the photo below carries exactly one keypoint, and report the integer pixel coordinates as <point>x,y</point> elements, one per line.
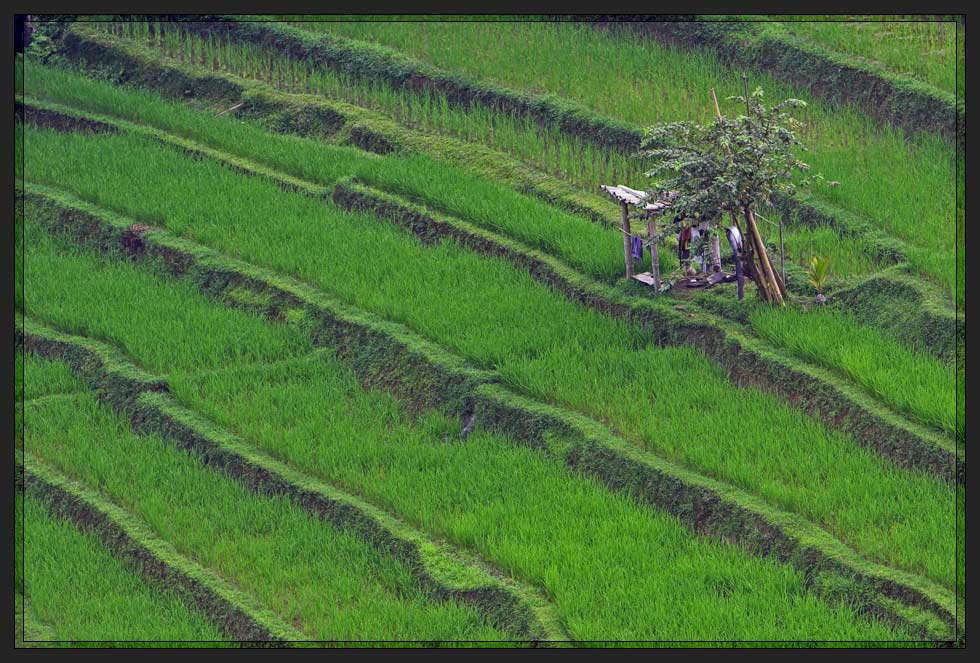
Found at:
<point>818,273</point>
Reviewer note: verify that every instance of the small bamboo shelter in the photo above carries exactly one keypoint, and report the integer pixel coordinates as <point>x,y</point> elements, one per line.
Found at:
<point>626,197</point>
<point>650,208</point>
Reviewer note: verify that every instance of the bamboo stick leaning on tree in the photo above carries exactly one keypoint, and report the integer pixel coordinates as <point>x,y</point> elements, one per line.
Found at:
<point>763,272</point>
<point>732,166</point>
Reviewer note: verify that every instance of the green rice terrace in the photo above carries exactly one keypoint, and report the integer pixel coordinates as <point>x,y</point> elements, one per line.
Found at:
<point>554,332</point>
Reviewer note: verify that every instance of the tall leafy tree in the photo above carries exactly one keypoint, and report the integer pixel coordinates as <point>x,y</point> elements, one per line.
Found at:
<point>733,165</point>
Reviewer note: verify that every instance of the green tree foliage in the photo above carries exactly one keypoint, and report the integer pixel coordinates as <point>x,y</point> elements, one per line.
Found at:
<point>731,165</point>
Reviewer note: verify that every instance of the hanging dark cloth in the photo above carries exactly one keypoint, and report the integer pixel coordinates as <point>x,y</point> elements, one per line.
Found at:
<point>637,246</point>
<point>683,240</point>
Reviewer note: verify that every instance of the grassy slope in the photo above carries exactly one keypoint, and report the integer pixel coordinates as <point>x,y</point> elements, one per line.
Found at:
<point>921,49</point>
<point>328,583</point>
<point>554,350</point>
<point>526,513</point>
<point>81,592</point>
<point>585,245</point>
<point>547,148</point>
<point>913,382</point>
<point>497,208</point>
<point>509,504</point>
<point>113,302</point>
<point>906,186</point>
<point>35,378</point>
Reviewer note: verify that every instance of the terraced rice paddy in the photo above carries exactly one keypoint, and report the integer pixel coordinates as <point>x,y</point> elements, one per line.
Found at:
<point>348,426</point>
<point>884,174</point>
<point>926,50</point>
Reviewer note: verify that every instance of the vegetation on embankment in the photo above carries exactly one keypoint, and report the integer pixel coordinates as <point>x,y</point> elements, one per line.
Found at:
<point>374,346</point>
<point>489,205</point>
<point>931,51</point>
<point>779,50</point>
<point>83,593</point>
<point>556,351</point>
<point>914,383</point>
<point>349,443</point>
<point>299,567</point>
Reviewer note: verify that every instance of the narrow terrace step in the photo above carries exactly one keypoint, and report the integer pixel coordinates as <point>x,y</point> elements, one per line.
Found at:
<point>235,613</point>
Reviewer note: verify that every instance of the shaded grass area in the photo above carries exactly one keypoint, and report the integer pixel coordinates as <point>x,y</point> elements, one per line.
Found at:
<point>905,185</point>
<point>328,583</point>
<point>852,256</point>
<point>28,631</point>
<point>900,305</point>
<point>906,45</point>
<point>669,400</point>
<point>913,383</point>
<point>540,522</point>
<point>80,592</point>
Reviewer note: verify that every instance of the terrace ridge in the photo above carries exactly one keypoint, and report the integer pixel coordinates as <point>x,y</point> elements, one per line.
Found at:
<point>127,538</point>
<point>748,360</point>
<point>441,571</point>
<point>182,81</point>
<point>710,507</point>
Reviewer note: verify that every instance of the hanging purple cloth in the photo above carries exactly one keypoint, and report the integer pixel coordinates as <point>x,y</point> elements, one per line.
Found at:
<point>637,245</point>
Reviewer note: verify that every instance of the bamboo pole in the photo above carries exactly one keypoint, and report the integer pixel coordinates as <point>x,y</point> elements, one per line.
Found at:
<point>758,267</point>
<point>718,113</point>
<point>779,277</point>
<point>782,252</point>
<point>768,272</point>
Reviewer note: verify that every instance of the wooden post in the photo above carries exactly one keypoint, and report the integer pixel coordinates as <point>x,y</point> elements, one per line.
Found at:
<point>627,249</point>
<point>654,253</point>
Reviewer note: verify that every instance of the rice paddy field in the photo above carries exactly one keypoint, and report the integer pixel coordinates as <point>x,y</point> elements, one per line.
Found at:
<point>918,47</point>
<point>324,339</point>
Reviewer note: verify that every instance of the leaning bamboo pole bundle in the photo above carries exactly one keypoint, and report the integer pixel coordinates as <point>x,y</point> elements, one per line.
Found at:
<point>771,287</point>
<point>777,289</point>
